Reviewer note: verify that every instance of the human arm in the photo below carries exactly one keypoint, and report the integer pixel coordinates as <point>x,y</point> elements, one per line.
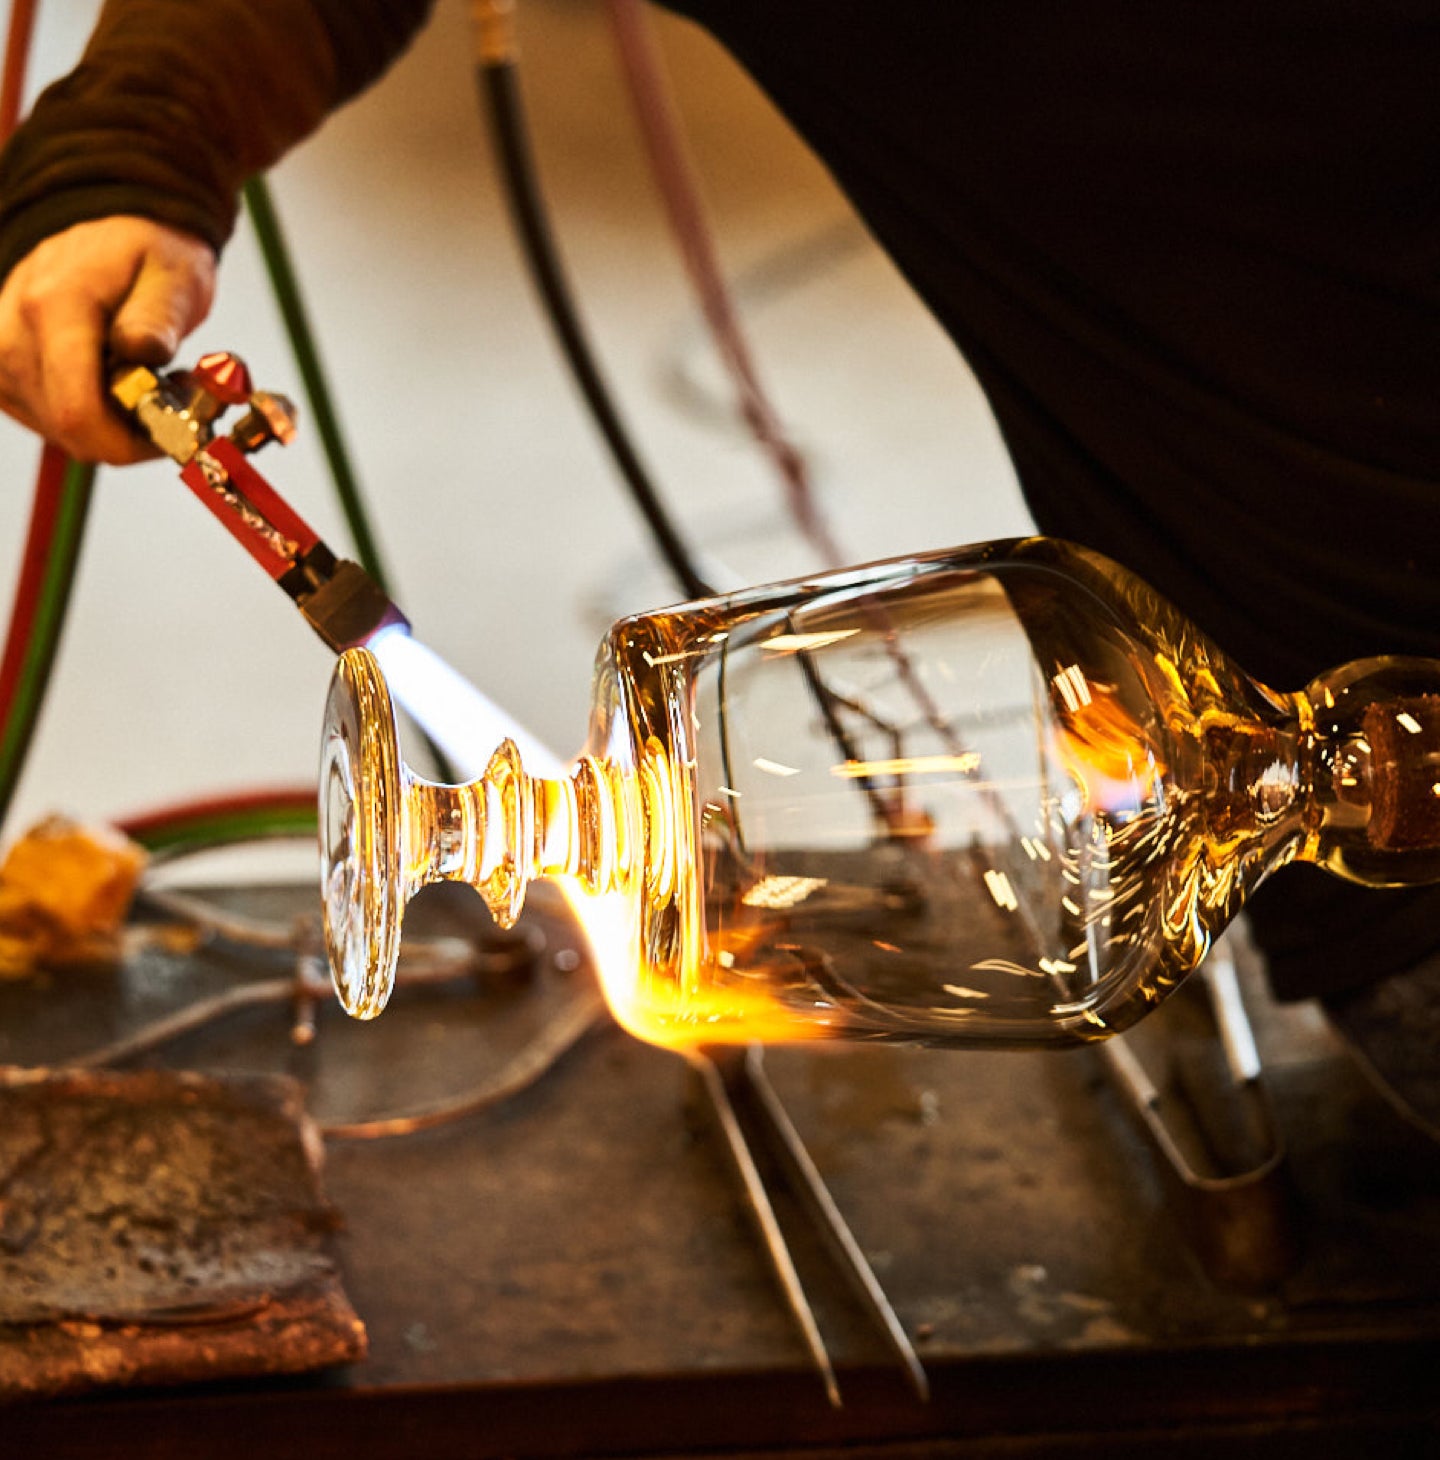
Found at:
<point>119,190</point>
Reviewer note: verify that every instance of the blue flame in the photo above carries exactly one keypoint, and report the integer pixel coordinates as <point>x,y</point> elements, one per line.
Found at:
<point>464,723</point>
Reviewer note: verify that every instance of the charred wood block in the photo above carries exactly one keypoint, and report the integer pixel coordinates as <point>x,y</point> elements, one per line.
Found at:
<point>160,1228</point>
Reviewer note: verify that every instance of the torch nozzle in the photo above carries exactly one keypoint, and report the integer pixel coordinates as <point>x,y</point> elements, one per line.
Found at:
<point>349,608</point>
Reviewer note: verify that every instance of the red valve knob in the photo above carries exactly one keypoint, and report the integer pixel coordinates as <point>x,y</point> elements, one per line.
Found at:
<point>223,376</point>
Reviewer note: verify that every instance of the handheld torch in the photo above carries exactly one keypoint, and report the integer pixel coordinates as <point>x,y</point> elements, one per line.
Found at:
<point>178,411</point>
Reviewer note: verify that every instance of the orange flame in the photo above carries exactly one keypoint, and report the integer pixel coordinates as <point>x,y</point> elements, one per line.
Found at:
<point>711,1003</point>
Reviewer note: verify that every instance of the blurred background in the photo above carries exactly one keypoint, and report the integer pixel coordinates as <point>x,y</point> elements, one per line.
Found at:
<point>503,525</point>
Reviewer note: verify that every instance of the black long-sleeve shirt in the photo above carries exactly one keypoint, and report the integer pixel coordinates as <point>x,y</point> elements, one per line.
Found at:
<point>1191,251</point>
<point>175,103</point>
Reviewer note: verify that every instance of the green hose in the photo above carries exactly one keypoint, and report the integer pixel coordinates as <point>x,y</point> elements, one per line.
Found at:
<point>196,834</point>
<point>43,643</point>
<point>312,374</point>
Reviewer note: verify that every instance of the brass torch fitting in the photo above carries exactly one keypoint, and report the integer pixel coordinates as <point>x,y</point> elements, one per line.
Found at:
<point>495,38</point>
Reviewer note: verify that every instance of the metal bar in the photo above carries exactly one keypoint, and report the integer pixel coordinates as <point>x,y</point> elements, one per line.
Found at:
<point>1221,1160</point>
<point>786,1145</point>
<point>1241,1052</point>
<point>713,1085</point>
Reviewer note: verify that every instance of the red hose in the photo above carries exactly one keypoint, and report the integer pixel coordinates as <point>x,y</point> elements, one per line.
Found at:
<point>675,177</point>
<point>17,56</point>
<point>57,515</point>
<point>216,808</point>
<point>50,478</point>
<point>45,506</point>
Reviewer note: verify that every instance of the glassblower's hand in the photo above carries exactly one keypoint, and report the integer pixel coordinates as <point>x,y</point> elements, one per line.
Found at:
<point>115,290</point>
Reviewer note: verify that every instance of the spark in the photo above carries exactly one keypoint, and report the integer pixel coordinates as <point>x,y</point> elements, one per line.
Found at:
<point>961,992</point>
<point>774,768</point>
<point>1406,721</point>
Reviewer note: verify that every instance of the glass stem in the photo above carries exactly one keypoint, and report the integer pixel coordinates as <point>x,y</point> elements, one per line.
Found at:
<point>504,829</point>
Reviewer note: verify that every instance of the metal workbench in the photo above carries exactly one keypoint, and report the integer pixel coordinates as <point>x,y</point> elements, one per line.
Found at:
<point>572,1272</point>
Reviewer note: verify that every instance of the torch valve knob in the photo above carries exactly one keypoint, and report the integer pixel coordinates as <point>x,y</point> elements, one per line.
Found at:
<point>271,417</point>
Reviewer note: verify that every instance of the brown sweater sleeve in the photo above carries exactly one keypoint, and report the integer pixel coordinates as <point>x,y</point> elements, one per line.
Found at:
<point>175,103</point>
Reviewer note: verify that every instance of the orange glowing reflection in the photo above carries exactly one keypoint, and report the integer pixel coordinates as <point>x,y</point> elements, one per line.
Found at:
<point>1110,757</point>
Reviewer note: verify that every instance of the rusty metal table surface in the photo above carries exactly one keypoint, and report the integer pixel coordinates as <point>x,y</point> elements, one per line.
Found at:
<point>573,1273</point>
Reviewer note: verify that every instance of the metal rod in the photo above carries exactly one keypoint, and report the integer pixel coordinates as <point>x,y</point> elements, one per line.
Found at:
<point>185,1021</point>
<point>782,1264</point>
<point>786,1145</point>
<point>1236,1032</point>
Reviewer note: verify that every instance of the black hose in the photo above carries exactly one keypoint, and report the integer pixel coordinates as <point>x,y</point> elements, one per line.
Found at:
<point>500,92</point>
<point>495,73</point>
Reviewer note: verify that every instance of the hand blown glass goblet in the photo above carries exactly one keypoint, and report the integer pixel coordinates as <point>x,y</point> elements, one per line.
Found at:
<point>1001,795</point>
